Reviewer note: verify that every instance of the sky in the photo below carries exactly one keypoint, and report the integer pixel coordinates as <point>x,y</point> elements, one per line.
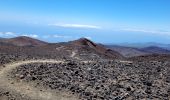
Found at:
<point>103,21</point>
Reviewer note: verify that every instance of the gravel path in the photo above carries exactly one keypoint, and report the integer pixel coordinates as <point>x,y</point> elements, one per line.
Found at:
<point>73,54</point>
<point>27,89</point>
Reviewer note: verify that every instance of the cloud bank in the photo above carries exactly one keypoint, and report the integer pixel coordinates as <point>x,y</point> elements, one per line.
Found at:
<point>13,34</point>
<point>57,36</point>
<point>31,35</point>
<point>161,32</point>
<point>76,26</point>
<point>7,34</point>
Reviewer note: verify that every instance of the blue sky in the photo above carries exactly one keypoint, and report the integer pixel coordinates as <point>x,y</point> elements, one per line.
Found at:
<point>104,21</point>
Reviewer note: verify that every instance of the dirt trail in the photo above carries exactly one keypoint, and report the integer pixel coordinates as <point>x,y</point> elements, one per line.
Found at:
<point>27,89</point>
<point>73,54</point>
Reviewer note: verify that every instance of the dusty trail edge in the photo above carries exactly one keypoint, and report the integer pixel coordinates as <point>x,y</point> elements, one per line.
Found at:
<point>26,89</point>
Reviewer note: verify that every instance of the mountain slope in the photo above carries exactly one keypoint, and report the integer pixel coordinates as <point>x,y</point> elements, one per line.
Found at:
<point>155,50</point>
<point>82,49</point>
<point>144,45</point>
<point>126,51</point>
<point>100,49</point>
<point>23,41</point>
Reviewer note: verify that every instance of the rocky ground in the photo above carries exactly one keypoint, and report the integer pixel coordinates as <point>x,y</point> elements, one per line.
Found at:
<point>102,80</point>
<point>104,74</point>
<point>9,95</point>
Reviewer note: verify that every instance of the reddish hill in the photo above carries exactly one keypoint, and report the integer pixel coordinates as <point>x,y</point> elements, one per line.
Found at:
<point>23,41</point>
<point>81,48</point>
<point>83,42</point>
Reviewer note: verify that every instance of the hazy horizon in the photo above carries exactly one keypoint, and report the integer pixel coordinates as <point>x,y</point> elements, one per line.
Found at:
<point>111,21</point>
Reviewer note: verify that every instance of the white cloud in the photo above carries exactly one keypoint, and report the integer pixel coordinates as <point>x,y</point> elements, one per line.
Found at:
<point>7,34</point>
<point>46,36</point>
<point>88,37</point>
<point>11,34</point>
<point>61,36</point>
<point>163,32</point>
<point>31,35</point>
<point>55,36</point>
<point>76,26</point>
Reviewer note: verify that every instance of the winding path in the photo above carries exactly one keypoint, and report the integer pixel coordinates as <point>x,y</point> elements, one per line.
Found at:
<point>27,89</point>
<point>73,54</point>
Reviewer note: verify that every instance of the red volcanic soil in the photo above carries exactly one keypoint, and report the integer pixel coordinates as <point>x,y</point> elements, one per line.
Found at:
<point>82,48</point>
<point>23,41</point>
<point>83,42</point>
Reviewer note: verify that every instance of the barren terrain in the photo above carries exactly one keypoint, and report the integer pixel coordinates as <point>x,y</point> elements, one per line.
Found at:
<point>80,70</point>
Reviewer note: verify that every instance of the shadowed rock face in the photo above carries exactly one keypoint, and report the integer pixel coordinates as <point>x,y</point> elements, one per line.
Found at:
<point>23,41</point>
<point>83,42</point>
